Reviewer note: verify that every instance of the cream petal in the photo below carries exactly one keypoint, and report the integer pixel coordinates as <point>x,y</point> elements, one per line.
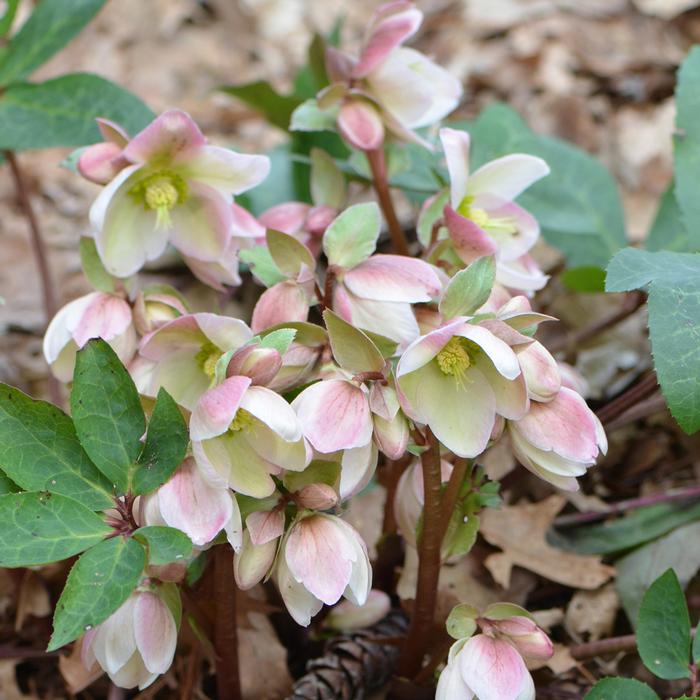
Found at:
<point>155,632</point>
<point>455,144</point>
<point>508,176</point>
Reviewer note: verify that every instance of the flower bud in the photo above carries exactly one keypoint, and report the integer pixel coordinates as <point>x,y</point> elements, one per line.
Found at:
<point>260,364</point>
<point>347,616</point>
<point>540,370</point>
<point>361,125</point>
<point>319,218</point>
<point>252,563</point>
<point>153,309</point>
<point>317,497</point>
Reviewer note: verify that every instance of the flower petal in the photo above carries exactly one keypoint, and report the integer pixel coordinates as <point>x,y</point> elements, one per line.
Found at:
<point>169,135</point>
<point>288,217</point>
<point>511,394</point>
<point>283,302</point>
<point>101,162</point>
<point>540,370</point>
<point>106,317</point>
<point>503,358</point>
<point>301,604</point>
<point>114,642</point>
<point>273,410</point>
<point>360,124</point>
<point>508,176</point>
<point>470,241</point>
<point>252,563</point>
<point>334,415</point>
<point>217,407</point>
<point>393,278</point>
<point>155,631</point>
<point>357,467</point>
<point>425,348</point>
<point>455,144</point>
<point>265,526</point>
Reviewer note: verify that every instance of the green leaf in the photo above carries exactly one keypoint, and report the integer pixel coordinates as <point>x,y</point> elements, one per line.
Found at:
<point>308,116</point>
<point>99,582</point>
<point>262,97</point>
<point>93,268</point>
<point>621,689</point>
<point>327,180</point>
<point>663,629</point>
<point>290,255</point>
<point>107,412</point>
<point>8,17</point>
<point>461,622</point>
<point>584,279</point>
<point>679,549</point>
<point>695,652</point>
<point>635,528</point>
<point>469,288</point>
<point>62,112</point>
<point>352,349</point>
<point>7,485</point>
<point>673,283</point>
<point>39,528</point>
<point>686,143</point>
<point>40,451</point>
<point>262,265</point>
<point>668,232</point>
<point>165,448</point>
<point>165,544</point>
<point>318,472</point>
<point>352,236</point>
<point>279,339</point>
<point>49,28</point>
<point>429,215</point>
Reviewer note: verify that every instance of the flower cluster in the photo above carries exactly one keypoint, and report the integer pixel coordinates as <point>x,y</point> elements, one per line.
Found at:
<point>353,356</point>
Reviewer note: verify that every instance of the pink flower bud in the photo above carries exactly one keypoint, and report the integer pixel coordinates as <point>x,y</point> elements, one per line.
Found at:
<point>540,370</point>
<point>346,616</point>
<point>319,218</point>
<point>317,497</point>
<point>361,125</point>
<point>154,309</point>
<point>260,364</point>
<point>252,563</point>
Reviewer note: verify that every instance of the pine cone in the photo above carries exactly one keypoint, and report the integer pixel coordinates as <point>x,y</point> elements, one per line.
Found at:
<point>353,664</point>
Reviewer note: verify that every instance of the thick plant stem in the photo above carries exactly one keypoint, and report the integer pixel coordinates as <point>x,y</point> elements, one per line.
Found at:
<point>451,495</point>
<point>429,564</point>
<point>228,681</point>
<point>377,164</point>
<point>40,255</point>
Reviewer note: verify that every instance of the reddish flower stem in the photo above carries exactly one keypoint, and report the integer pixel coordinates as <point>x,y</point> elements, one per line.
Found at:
<point>640,390</point>
<point>377,164</point>
<point>228,681</point>
<point>423,617</point>
<point>40,255</point>
<point>449,498</point>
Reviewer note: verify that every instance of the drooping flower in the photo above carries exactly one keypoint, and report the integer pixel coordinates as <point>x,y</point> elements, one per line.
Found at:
<point>347,616</point>
<point>323,558</point>
<point>482,218</point>
<point>491,665</point>
<point>95,315</point>
<point>181,355</point>
<point>456,380</point>
<point>176,189</point>
<point>136,643</point>
<point>558,440</point>
<point>242,434</point>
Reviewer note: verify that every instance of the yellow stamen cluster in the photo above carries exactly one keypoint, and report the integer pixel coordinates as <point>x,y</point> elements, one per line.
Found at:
<point>483,220</point>
<point>160,192</point>
<point>207,358</point>
<point>241,421</point>
<point>455,359</point>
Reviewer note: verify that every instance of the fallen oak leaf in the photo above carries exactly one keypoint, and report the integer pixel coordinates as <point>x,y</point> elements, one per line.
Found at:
<point>520,531</point>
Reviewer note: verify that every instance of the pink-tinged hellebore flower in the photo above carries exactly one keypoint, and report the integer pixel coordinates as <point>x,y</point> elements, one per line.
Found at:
<point>323,558</point>
<point>176,189</point>
<point>136,643</point>
<point>482,217</point>
<point>183,354</point>
<point>404,89</point>
<point>303,221</point>
<point>492,665</point>
<point>188,502</point>
<point>242,434</point>
<point>96,315</point>
<point>347,616</point>
<point>103,161</point>
<point>456,379</point>
<point>558,440</point>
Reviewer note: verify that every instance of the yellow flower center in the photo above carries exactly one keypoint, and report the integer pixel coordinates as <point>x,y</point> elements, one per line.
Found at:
<point>483,220</point>
<point>160,192</point>
<point>207,358</point>
<point>241,421</point>
<point>456,358</point>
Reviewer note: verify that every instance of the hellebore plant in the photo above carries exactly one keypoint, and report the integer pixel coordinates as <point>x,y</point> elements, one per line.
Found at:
<point>362,357</point>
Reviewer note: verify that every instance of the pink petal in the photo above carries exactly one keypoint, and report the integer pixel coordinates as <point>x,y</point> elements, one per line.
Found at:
<point>522,274</point>
<point>287,217</point>
<point>202,224</point>
<point>565,426</point>
<point>192,505</point>
<point>540,370</point>
<point>155,632</point>
<point>390,30</point>
<point>470,241</point>
<point>265,526</point>
<point>283,302</point>
<point>301,604</point>
<point>216,409</point>
<point>260,364</point>
<point>106,316</point>
<point>101,162</point>
<point>217,273</point>
<point>392,435</point>
<point>339,65</point>
<point>492,668</point>
<point>320,556</point>
<point>112,132</point>
<point>169,135</point>
<point>455,144</point>
<point>334,415</point>
<point>60,330</point>
<point>182,333</point>
<point>508,176</point>
<point>245,225</point>
<point>360,125</point>
<point>393,278</point>
<point>511,246</point>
